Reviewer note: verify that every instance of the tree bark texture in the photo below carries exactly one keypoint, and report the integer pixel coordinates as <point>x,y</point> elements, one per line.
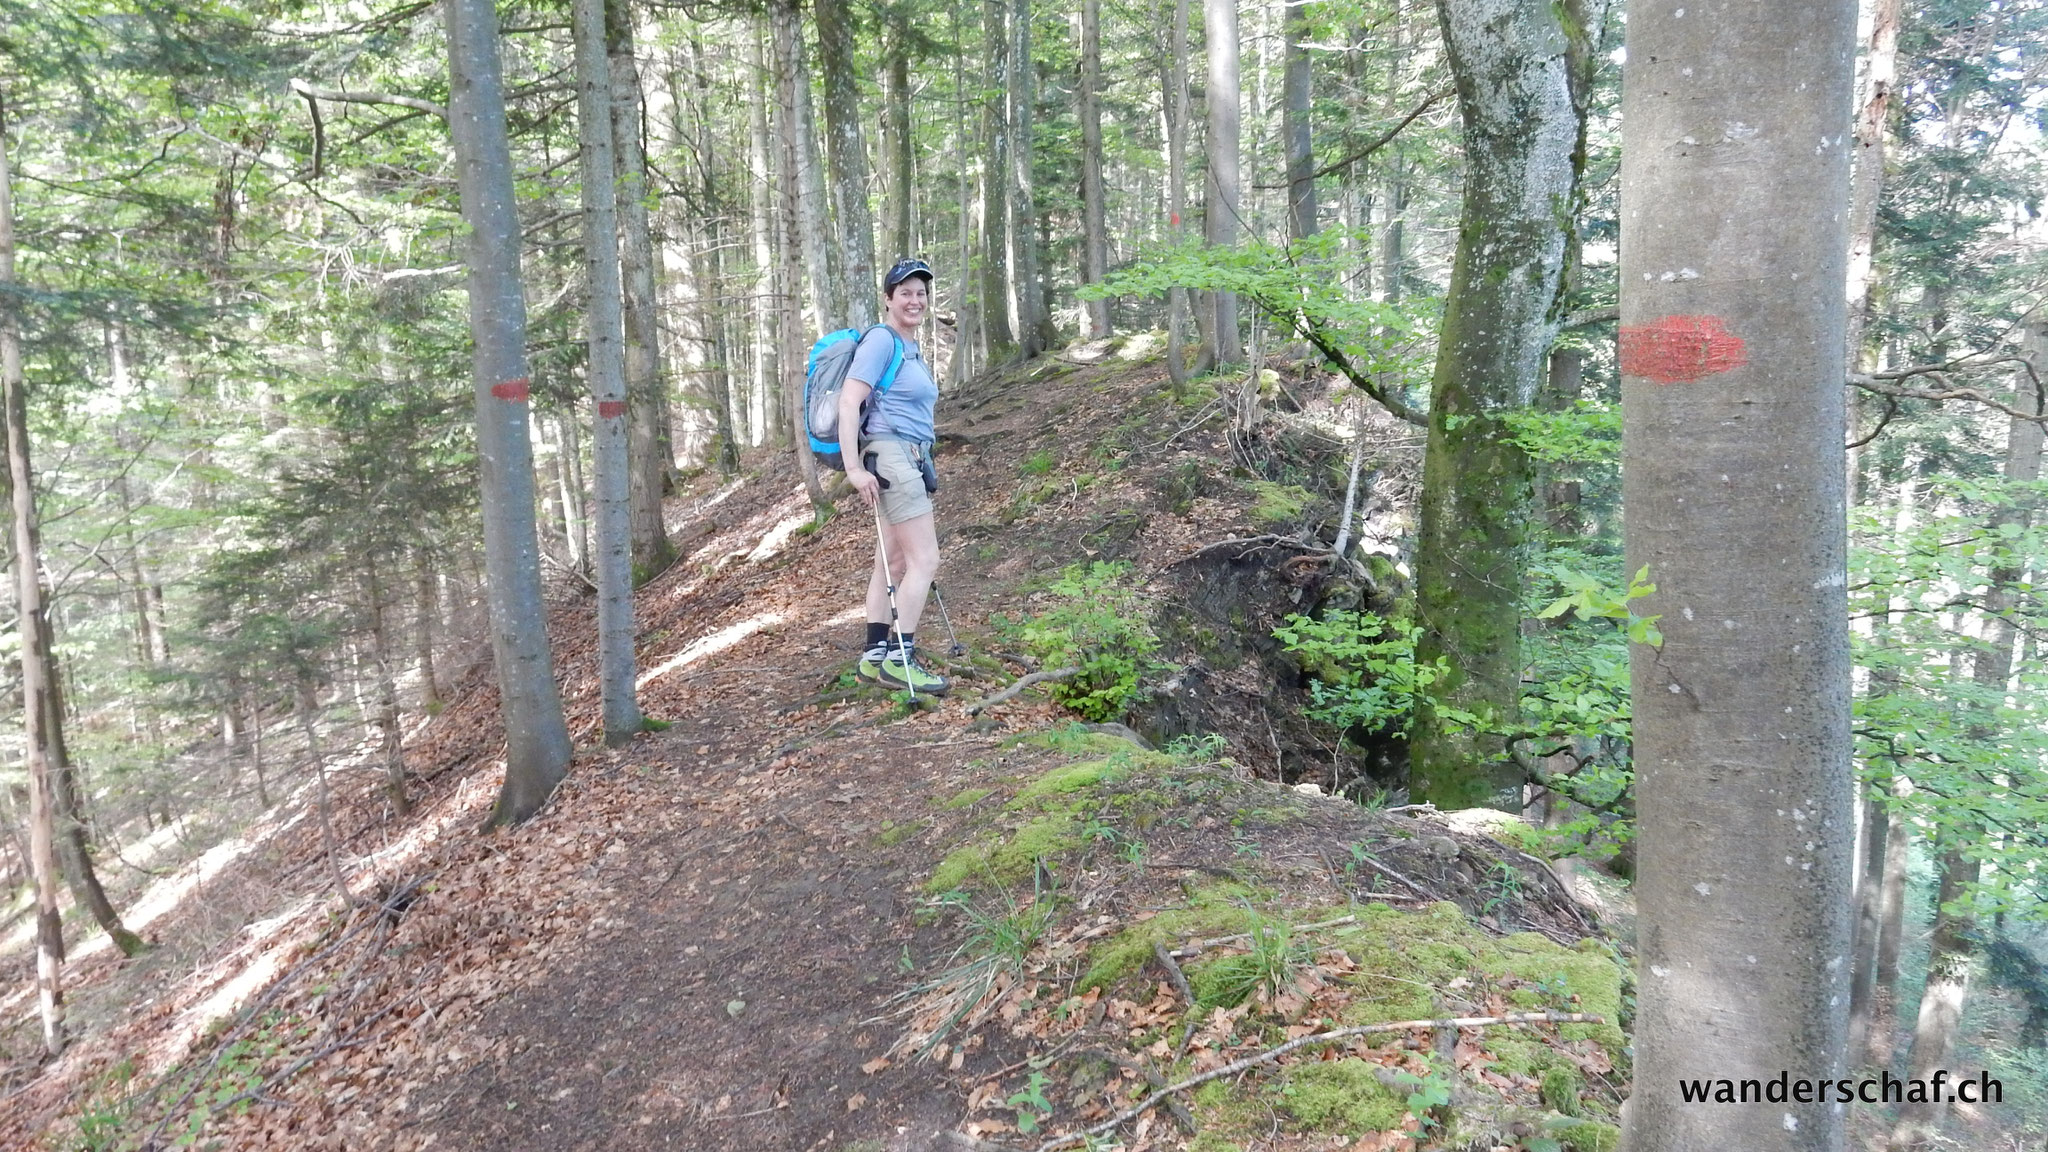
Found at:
<point>1296,96</point>
<point>800,133</point>
<point>1512,65</point>
<point>901,236</point>
<point>536,736</point>
<point>767,418</point>
<point>1220,223</point>
<point>649,456</point>
<point>616,667</point>
<point>1951,962</point>
<point>1734,189</point>
<point>1094,221</point>
<point>792,133</point>
<point>848,151</point>
<point>996,313</point>
<point>1035,331</point>
<point>37,677</point>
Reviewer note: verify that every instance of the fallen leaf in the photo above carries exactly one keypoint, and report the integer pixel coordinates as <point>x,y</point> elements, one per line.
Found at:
<point>856,1102</point>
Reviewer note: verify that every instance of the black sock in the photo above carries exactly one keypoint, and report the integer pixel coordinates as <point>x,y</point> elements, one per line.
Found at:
<point>908,639</point>
<point>878,635</point>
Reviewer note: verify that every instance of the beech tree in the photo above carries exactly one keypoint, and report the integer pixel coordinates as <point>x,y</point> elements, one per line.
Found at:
<point>37,681</point>
<point>536,735</point>
<point>607,369</point>
<point>1217,311</point>
<point>1735,496</point>
<point>1517,67</point>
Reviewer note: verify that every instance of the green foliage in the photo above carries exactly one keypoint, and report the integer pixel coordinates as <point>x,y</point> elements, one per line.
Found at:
<point>1040,463</point>
<point>1098,622</point>
<point>1589,432</point>
<point>1364,669</point>
<point>1030,1103</point>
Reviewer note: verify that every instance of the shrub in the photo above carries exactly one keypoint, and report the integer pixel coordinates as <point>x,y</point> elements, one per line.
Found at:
<point>1098,624</point>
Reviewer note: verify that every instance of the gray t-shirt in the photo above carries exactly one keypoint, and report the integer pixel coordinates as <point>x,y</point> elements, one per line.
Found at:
<point>905,410</point>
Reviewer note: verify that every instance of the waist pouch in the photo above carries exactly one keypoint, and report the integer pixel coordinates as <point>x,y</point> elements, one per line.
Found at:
<point>920,454</point>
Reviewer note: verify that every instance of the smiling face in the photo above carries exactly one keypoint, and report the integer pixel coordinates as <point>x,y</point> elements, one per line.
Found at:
<point>907,303</point>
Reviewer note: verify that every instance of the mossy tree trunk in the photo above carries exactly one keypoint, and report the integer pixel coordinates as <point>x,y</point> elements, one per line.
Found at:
<point>1516,67</point>
<point>1734,196</point>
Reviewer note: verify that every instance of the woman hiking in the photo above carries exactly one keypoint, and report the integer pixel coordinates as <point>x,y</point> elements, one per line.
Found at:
<point>892,471</point>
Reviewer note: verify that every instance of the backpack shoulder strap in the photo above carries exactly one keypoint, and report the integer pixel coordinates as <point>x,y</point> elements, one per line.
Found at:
<point>895,359</point>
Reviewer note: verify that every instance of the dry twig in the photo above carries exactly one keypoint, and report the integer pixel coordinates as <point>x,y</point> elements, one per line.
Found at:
<point>1021,684</point>
<point>1315,1040</point>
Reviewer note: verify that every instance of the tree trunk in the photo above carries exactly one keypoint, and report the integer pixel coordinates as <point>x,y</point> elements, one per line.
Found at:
<point>648,455</point>
<point>800,134</point>
<point>1035,331</point>
<point>537,738</point>
<point>999,336</point>
<point>769,416</point>
<point>1875,822</point>
<point>427,612</point>
<point>967,326</point>
<point>1867,178</point>
<point>901,238</point>
<point>1176,101</point>
<point>1891,928</point>
<point>1950,964</point>
<point>1094,226</point>
<point>607,369</point>
<point>846,147</point>
<point>37,677</point>
<point>1220,342</point>
<point>789,298</point>
<point>1514,67</point>
<point>1296,95</point>
<point>1733,480</point>
<point>384,718</point>
<point>307,709</point>
<point>1954,950</point>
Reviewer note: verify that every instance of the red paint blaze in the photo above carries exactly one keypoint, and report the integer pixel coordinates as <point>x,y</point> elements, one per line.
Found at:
<point>1176,218</point>
<point>609,409</point>
<point>1681,349</point>
<point>513,390</point>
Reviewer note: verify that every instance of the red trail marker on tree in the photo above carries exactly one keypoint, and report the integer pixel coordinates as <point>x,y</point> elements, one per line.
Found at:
<point>1681,349</point>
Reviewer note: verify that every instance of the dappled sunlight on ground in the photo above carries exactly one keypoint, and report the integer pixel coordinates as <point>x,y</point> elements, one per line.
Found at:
<point>778,536</point>
<point>717,641</point>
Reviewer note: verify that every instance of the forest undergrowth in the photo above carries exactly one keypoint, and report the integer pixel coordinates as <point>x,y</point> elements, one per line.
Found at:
<point>810,915</point>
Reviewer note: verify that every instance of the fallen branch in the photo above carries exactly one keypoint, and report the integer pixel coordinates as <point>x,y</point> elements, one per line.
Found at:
<point>1203,945</point>
<point>1180,985</point>
<point>1022,683</point>
<point>1315,1040</point>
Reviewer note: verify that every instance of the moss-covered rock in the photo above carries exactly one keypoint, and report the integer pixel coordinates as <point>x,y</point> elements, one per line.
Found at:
<point>1275,504</point>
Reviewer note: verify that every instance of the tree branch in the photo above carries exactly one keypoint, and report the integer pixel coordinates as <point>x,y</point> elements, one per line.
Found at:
<point>1384,139</point>
<point>312,93</point>
<point>1022,683</point>
<point>1316,1040</point>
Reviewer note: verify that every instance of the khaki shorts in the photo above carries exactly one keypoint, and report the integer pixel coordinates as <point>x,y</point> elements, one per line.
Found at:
<point>896,462</point>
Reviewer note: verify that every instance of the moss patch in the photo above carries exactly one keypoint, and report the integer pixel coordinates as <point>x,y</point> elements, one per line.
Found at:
<point>893,834</point>
<point>1341,1096</point>
<point>1213,910</point>
<point>1277,503</point>
<point>966,799</point>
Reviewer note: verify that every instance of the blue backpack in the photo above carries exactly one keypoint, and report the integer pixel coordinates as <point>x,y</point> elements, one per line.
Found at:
<point>824,378</point>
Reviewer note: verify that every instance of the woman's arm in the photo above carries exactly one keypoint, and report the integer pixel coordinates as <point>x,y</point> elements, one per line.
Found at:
<point>852,395</point>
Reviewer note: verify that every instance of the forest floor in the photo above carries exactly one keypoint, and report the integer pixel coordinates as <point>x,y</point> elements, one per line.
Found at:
<point>808,916</point>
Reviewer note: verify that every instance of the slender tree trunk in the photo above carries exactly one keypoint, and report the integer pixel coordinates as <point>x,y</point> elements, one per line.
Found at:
<point>648,456</point>
<point>1094,225</point>
<point>1876,824</point>
<point>789,298</point>
<point>901,238</point>
<point>37,677</point>
<point>1744,789</point>
<point>968,325</point>
<point>616,667</point>
<point>427,613</point>
<point>845,144</point>
<point>995,186</point>
<point>1954,948</point>
<point>1176,100</point>
<point>1035,331</point>
<point>800,133</point>
<point>1220,341</point>
<point>537,738</point>
<point>1865,184</point>
<point>323,803</point>
<point>390,737</point>
<point>1295,99</point>
<point>1514,65</point>
<point>769,415</point>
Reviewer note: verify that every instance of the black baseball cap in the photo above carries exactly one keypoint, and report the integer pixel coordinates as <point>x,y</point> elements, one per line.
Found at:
<point>903,270</point>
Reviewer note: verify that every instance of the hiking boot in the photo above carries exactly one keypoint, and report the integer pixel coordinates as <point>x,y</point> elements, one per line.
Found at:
<point>870,666</point>
<point>915,676</point>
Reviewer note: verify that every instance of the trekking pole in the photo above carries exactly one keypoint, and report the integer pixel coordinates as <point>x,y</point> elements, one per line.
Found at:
<point>895,625</point>
<point>958,649</point>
